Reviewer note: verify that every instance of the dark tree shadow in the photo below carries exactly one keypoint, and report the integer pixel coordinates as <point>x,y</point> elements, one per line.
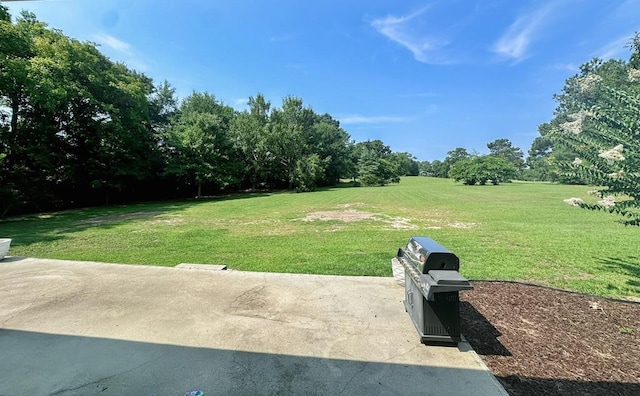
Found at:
<point>48,227</point>
<point>629,266</point>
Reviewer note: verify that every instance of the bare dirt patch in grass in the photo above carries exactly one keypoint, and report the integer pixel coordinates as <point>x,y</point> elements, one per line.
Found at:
<point>460,224</point>
<point>351,205</point>
<point>436,224</point>
<point>347,216</point>
<point>393,222</point>
<point>400,223</point>
<point>351,215</point>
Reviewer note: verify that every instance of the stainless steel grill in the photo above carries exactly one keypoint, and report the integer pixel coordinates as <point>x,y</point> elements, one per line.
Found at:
<point>432,283</point>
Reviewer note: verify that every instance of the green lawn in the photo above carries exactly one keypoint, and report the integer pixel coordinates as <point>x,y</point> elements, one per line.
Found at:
<point>516,231</point>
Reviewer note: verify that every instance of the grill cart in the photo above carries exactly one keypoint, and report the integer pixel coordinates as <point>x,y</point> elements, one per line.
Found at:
<point>432,283</point>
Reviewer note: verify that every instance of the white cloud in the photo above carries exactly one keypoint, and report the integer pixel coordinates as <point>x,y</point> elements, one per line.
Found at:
<point>431,109</point>
<point>570,67</point>
<point>614,48</point>
<point>121,51</point>
<point>360,119</point>
<point>113,43</point>
<point>400,30</point>
<point>515,42</point>
<point>240,104</point>
<point>529,134</point>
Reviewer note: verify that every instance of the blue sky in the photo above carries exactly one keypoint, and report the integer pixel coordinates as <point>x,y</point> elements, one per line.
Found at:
<point>423,76</point>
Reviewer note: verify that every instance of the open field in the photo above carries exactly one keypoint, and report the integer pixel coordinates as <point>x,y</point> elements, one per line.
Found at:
<point>516,231</point>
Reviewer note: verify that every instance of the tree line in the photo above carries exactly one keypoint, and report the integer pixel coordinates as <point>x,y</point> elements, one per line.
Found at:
<point>78,129</point>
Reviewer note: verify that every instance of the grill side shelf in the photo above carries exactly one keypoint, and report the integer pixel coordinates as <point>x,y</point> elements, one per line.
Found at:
<point>429,286</point>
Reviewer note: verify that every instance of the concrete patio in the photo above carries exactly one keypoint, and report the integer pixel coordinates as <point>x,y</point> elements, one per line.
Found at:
<point>82,328</point>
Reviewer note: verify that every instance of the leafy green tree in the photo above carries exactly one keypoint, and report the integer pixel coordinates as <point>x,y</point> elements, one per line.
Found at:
<point>290,147</point>
<point>414,169</point>
<point>307,173</point>
<point>453,156</point>
<point>331,143</point>
<point>163,105</point>
<point>482,169</point>
<point>370,169</point>
<point>425,168</point>
<point>16,50</point>
<point>104,117</point>
<point>200,142</point>
<point>77,122</point>
<point>545,155</point>
<point>439,169</point>
<point>406,163</point>
<point>4,14</point>
<point>503,148</point>
<point>286,139</point>
<point>604,132</point>
<point>538,165</point>
<point>465,171</point>
<point>249,134</point>
<point>15,55</point>
<point>375,164</point>
<point>377,147</point>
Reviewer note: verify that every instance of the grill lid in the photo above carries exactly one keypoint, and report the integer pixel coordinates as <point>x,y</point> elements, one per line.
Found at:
<point>426,254</point>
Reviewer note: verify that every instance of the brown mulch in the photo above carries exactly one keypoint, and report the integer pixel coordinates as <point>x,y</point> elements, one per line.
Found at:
<point>541,341</point>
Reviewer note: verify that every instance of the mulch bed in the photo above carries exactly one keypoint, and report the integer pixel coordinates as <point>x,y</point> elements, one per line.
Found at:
<point>541,341</point>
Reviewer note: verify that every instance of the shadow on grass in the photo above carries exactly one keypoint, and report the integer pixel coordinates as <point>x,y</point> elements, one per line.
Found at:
<point>341,185</point>
<point>629,266</point>
<point>50,227</point>
<point>480,333</point>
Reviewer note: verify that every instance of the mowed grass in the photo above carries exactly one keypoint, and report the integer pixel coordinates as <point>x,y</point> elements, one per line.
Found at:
<point>516,231</point>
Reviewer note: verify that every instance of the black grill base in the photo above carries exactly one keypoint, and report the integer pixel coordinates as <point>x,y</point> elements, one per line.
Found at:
<point>437,321</point>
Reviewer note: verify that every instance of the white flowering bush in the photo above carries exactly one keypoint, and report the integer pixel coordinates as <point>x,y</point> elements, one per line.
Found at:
<point>575,125</point>
<point>605,135</point>
<point>573,201</point>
